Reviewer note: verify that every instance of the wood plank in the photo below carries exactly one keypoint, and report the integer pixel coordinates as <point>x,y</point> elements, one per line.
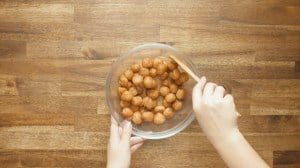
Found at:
<point>260,124</point>
<point>286,159</point>
<point>12,49</point>
<point>37,12</point>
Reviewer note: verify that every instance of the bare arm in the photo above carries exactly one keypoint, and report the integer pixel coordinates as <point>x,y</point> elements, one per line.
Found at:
<point>216,115</point>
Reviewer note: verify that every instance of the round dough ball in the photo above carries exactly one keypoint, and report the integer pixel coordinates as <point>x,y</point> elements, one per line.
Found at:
<point>152,72</point>
<point>173,88</point>
<point>137,118</point>
<point>161,68</point>
<point>184,77</point>
<point>129,84</point>
<point>135,67</point>
<point>126,96</point>
<point>148,82</point>
<point>137,101</point>
<point>124,103</point>
<point>128,74</point>
<point>159,118</point>
<point>164,91</point>
<point>156,62</point>
<point>137,79</point>
<point>159,109</point>
<point>164,76</point>
<point>168,113</point>
<point>180,94</point>
<point>144,71</point>
<point>170,97</point>
<point>166,82</point>
<point>123,81</point>
<point>175,74</point>
<point>149,103</point>
<point>127,112</point>
<point>139,89</point>
<point>166,104</point>
<point>147,62</point>
<point>134,108</point>
<point>153,93</point>
<point>121,90</point>
<point>147,116</point>
<point>133,91</point>
<point>171,65</point>
<point>177,105</point>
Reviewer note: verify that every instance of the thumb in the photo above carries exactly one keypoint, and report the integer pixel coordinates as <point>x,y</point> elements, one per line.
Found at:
<point>127,129</point>
<point>197,93</point>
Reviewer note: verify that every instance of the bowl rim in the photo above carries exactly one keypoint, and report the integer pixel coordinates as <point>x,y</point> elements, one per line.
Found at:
<point>158,135</point>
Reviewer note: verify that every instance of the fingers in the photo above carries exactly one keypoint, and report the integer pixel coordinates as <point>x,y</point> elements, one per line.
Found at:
<point>219,92</point>
<point>136,147</point>
<point>136,140</point>
<point>197,92</point>
<point>209,90</point>
<point>228,98</point>
<point>114,131</point>
<point>126,134</point>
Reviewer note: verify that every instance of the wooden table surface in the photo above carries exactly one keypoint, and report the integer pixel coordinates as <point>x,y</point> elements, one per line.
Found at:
<point>55,55</point>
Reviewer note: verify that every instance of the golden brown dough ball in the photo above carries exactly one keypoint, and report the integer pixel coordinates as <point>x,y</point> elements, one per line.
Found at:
<point>147,62</point>
<point>126,96</point>
<point>164,91</point>
<point>149,103</point>
<point>128,74</point>
<point>159,109</point>
<point>175,74</point>
<point>124,103</point>
<point>166,104</point>
<point>129,84</point>
<point>173,88</point>
<point>161,68</point>
<point>137,79</point>
<point>135,68</point>
<point>123,81</point>
<point>144,72</point>
<point>168,113</point>
<point>171,64</point>
<point>134,108</point>
<point>180,94</point>
<point>147,116</point>
<point>164,76</point>
<point>166,82</point>
<point>121,90</point>
<point>156,62</point>
<point>127,112</point>
<point>149,82</point>
<point>184,77</point>
<point>137,118</point>
<point>159,118</point>
<point>178,82</point>
<point>153,93</point>
<point>137,101</point>
<point>133,91</point>
<point>177,105</point>
<point>152,72</point>
<point>170,98</point>
<point>139,89</point>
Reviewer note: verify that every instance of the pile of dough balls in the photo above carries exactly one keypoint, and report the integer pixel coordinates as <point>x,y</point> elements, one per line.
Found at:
<point>152,91</point>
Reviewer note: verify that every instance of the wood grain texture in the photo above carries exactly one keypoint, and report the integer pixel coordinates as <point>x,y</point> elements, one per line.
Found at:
<point>55,55</point>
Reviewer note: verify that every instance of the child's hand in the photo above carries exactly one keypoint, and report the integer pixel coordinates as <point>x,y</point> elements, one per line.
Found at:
<point>214,110</point>
<point>121,145</point>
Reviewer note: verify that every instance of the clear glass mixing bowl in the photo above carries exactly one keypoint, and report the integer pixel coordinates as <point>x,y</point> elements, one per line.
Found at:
<point>180,120</point>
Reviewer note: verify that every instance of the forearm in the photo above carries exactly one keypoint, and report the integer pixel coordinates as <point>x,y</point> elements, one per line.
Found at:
<point>237,152</point>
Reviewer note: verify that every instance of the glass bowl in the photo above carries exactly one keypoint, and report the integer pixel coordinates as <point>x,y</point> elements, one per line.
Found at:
<point>179,121</point>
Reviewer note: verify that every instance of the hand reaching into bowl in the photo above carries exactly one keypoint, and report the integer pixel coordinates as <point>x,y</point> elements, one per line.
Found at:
<point>216,114</point>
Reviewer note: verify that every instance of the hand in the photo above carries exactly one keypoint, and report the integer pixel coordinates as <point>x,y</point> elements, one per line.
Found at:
<point>121,145</point>
<point>214,110</point>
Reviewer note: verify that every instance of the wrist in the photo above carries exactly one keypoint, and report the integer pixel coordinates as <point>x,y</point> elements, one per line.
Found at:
<point>230,138</point>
